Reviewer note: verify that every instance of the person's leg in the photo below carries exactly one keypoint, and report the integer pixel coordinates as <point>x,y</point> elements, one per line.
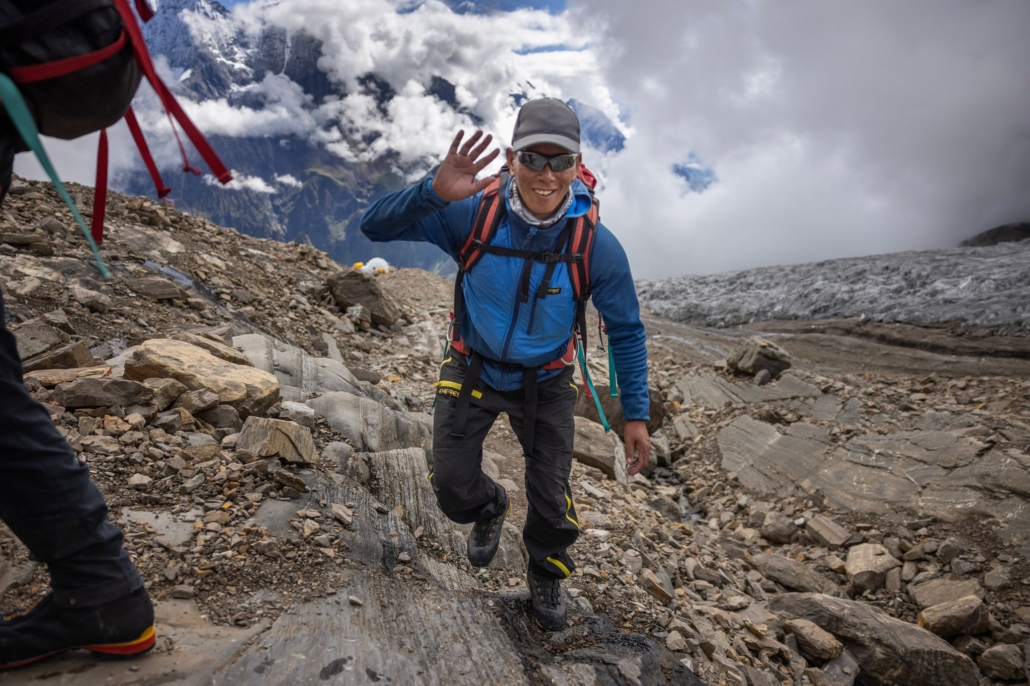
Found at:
<point>10,144</point>
<point>551,524</point>
<point>464,492</point>
<point>49,502</point>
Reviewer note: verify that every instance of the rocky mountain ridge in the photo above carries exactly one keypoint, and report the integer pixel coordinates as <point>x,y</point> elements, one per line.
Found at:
<point>258,418</point>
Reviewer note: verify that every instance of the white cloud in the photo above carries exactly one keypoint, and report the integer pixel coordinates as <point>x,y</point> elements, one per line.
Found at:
<point>834,129</point>
<point>242,182</point>
<point>288,180</point>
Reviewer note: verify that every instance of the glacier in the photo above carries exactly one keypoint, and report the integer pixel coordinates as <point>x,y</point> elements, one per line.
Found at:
<point>986,286</point>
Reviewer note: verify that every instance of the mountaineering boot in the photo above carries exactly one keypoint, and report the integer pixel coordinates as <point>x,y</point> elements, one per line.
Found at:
<point>120,628</point>
<point>549,608</point>
<point>485,537</point>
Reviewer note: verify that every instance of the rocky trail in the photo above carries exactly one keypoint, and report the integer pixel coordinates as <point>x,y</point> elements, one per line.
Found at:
<point>259,420</point>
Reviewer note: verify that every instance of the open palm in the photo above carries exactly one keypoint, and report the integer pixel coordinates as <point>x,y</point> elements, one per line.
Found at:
<point>456,178</point>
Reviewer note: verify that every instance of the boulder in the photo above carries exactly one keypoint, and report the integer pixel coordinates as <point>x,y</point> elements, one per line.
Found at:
<point>778,528</point>
<point>197,401</point>
<point>1003,661</point>
<point>52,377</point>
<point>937,591</point>
<point>278,438</point>
<point>966,615</point>
<point>301,376</point>
<point>372,427</point>
<point>155,288</point>
<point>888,650</point>
<point>249,390</point>
<point>826,532</point>
<point>72,356</point>
<point>753,354</point>
<point>867,566</point>
<point>840,671</point>
<point>217,349</point>
<point>91,300</point>
<point>656,586</point>
<point>812,640</point>
<point>35,337</point>
<point>166,391</point>
<point>585,407</point>
<point>298,412</point>
<point>104,392</point>
<point>594,448</point>
<point>222,417</point>
<point>351,287</point>
<point>793,574</point>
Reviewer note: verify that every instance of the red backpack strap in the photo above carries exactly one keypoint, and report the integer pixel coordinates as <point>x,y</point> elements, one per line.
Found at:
<point>488,218</point>
<point>582,243</point>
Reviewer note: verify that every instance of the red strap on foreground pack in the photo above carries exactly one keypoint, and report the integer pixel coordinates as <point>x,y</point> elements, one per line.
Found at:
<point>171,105</point>
<point>100,191</point>
<point>51,70</point>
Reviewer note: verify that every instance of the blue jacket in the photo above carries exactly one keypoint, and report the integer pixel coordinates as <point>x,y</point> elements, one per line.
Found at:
<point>493,322</point>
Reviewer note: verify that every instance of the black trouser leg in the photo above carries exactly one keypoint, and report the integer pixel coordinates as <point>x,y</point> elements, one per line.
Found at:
<point>465,493</point>
<point>48,500</point>
<point>551,524</point>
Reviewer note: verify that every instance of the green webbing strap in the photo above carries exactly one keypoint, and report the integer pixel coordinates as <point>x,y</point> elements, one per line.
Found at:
<point>590,385</point>
<point>26,126</point>
<point>613,383</point>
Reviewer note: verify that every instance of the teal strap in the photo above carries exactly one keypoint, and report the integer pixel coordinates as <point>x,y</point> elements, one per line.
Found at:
<point>590,385</point>
<point>613,382</point>
<point>26,126</point>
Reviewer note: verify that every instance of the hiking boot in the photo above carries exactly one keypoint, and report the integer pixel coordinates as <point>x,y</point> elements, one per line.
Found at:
<point>485,537</point>
<point>549,608</point>
<point>120,628</point>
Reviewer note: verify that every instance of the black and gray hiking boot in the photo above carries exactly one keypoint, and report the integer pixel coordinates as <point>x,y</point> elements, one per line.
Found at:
<point>485,537</point>
<point>549,607</point>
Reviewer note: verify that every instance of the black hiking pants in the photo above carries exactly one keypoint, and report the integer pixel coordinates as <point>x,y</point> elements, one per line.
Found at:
<point>466,494</point>
<point>48,500</point>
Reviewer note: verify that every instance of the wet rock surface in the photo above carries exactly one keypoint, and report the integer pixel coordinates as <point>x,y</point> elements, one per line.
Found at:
<point>862,492</point>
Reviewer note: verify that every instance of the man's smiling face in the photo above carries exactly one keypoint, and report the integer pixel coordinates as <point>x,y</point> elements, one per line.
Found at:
<point>542,192</point>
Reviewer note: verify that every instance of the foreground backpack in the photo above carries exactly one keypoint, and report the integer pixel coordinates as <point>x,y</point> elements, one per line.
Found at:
<point>77,65</point>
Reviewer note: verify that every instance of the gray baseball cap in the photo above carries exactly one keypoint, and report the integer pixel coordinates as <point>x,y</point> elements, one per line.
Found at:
<point>546,120</point>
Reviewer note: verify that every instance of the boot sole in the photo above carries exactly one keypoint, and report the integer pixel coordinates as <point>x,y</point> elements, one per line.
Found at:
<point>126,650</point>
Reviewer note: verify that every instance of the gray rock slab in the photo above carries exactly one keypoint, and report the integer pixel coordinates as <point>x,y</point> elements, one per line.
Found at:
<point>166,525</point>
<point>370,426</point>
<point>937,591</point>
<point>888,650</point>
<point>710,390</point>
<point>402,634</point>
<point>793,574</point>
<point>300,375</point>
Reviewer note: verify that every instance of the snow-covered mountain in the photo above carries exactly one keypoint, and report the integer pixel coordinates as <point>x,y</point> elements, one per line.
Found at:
<point>987,286</point>
<point>315,126</point>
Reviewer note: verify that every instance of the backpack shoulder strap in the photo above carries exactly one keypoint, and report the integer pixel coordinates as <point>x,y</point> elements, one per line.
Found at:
<point>581,242</point>
<point>488,218</point>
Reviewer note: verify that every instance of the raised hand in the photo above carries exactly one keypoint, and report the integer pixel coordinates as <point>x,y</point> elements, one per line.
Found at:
<point>456,178</point>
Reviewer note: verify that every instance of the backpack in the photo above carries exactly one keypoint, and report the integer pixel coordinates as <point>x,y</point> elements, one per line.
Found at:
<point>575,244</point>
<point>78,64</point>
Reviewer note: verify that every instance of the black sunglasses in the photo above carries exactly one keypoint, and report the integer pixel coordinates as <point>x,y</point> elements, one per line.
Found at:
<point>537,162</point>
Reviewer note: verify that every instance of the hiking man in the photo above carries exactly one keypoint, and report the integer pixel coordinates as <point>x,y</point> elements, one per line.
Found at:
<point>515,311</point>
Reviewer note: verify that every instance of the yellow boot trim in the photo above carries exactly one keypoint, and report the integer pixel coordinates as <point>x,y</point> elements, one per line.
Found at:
<point>568,508</point>
<point>559,565</point>
<point>454,385</point>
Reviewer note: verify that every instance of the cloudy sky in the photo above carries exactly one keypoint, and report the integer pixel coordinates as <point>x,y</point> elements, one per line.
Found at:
<point>830,128</point>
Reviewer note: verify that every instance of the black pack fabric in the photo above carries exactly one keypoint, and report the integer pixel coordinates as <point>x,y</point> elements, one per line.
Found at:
<point>34,32</point>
